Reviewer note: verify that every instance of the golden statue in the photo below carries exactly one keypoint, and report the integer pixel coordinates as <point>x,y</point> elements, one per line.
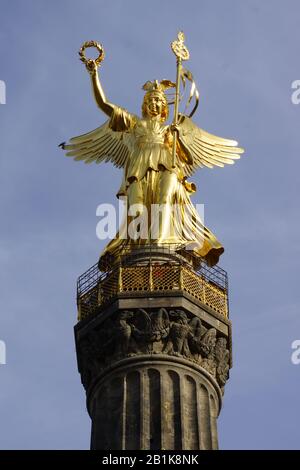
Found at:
<point>157,159</point>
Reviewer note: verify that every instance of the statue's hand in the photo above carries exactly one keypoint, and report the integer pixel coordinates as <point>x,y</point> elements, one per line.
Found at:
<point>175,128</point>
<point>91,66</point>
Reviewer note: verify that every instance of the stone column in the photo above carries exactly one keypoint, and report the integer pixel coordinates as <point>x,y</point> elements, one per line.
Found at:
<point>154,370</point>
<point>154,403</point>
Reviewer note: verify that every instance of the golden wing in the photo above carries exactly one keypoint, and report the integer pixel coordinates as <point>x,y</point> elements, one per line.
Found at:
<point>205,149</point>
<point>102,144</point>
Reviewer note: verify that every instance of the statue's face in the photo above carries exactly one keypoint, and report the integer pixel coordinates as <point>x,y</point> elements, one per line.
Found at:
<point>154,105</point>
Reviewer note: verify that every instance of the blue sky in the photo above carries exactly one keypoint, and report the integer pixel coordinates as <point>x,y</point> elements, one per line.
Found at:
<point>244,57</point>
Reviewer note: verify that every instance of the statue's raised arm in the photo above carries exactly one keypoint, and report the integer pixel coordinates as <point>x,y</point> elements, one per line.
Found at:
<point>107,142</point>
<point>92,67</point>
<point>99,94</point>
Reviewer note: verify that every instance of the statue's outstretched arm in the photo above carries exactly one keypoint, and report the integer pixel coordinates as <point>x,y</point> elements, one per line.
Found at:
<point>99,94</point>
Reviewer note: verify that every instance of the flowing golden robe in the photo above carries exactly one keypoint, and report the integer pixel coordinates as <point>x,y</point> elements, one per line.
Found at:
<point>149,178</point>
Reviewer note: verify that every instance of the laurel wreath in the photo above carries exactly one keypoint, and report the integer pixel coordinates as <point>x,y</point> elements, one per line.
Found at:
<point>99,48</point>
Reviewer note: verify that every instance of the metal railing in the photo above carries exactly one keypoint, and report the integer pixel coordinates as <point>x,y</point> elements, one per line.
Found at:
<point>129,277</point>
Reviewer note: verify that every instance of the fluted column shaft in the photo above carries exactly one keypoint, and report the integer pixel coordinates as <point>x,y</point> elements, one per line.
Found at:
<point>154,403</point>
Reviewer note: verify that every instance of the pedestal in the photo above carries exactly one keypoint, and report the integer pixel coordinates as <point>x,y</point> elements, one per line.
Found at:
<point>154,361</point>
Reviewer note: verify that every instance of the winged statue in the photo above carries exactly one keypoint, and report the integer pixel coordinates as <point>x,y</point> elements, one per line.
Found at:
<point>157,159</point>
